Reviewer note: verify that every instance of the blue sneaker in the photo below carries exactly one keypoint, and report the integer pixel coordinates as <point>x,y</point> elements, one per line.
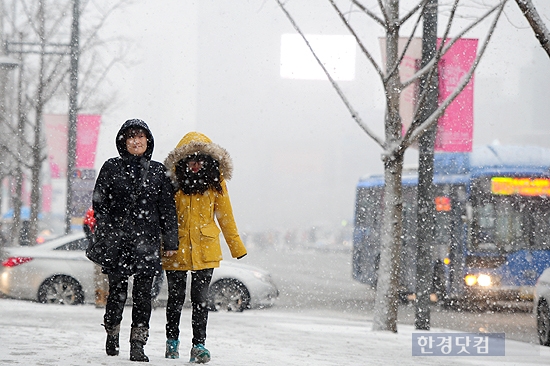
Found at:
<point>199,354</point>
<point>172,348</point>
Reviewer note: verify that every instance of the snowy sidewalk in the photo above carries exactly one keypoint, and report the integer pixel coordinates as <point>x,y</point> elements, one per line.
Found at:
<point>37,334</point>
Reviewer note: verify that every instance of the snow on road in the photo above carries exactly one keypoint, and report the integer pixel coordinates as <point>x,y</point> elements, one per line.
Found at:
<point>38,334</point>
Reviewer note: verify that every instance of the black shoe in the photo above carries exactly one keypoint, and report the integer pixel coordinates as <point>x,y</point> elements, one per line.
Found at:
<point>112,346</point>
<point>137,353</point>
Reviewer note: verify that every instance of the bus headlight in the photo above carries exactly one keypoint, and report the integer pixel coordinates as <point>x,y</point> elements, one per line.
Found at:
<point>470,280</point>
<point>484,280</point>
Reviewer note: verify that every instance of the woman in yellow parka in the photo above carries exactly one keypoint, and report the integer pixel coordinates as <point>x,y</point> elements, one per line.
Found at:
<point>198,169</point>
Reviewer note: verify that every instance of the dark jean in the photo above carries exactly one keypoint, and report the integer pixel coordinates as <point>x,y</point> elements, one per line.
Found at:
<point>118,293</point>
<point>200,281</point>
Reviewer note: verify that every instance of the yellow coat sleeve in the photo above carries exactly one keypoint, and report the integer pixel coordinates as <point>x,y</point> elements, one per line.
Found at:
<point>226,220</point>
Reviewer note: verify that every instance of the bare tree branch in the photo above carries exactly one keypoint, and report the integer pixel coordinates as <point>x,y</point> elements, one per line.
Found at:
<point>99,80</point>
<point>405,142</point>
<point>354,114</point>
<point>446,46</point>
<point>419,6</point>
<point>359,42</point>
<point>370,13</point>
<point>536,23</point>
<point>432,72</point>
<point>404,52</point>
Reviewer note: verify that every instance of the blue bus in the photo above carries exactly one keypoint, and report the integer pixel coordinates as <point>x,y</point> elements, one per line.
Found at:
<point>492,225</point>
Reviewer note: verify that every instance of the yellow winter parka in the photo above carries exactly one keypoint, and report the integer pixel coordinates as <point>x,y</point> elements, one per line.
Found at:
<point>199,241</point>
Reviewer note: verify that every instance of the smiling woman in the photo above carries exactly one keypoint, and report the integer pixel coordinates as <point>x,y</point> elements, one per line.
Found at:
<point>136,141</point>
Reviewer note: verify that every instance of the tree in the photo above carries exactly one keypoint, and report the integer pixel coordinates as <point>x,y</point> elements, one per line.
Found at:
<point>395,142</point>
<point>38,33</point>
<point>531,14</point>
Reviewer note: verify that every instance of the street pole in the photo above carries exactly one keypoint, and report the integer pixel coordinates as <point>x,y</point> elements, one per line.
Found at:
<point>425,198</point>
<point>73,113</point>
<point>6,64</point>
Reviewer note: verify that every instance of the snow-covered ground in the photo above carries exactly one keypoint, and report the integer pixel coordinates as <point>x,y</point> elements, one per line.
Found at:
<point>37,334</point>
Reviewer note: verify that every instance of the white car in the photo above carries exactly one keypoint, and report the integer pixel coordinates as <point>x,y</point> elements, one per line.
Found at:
<point>541,307</point>
<point>59,272</point>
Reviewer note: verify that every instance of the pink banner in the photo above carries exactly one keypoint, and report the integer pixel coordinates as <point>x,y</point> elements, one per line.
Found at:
<point>56,138</point>
<point>408,67</point>
<point>456,127</point>
<point>86,142</point>
<point>87,133</point>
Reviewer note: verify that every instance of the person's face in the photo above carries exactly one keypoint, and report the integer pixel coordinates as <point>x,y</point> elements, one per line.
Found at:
<point>137,144</point>
<point>194,165</point>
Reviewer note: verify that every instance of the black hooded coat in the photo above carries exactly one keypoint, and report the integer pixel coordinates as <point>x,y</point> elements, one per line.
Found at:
<point>134,207</point>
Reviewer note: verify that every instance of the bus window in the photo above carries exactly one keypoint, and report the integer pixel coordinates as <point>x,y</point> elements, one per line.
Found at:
<point>507,224</point>
<point>510,226</point>
<point>541,225</point>
<point>483,226</point>
<point>367,209</point>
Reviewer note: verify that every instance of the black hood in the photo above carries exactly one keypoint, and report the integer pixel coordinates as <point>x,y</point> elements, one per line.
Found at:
<point>121,142</point>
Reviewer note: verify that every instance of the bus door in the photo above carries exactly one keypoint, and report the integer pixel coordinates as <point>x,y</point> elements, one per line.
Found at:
<point>526,222</point>
<point>509,239</point>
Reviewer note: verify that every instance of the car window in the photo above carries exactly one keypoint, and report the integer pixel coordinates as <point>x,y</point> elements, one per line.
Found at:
<point>80,244</point>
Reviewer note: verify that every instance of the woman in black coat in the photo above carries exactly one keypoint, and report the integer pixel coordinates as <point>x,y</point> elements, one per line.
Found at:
<point>134,208</point>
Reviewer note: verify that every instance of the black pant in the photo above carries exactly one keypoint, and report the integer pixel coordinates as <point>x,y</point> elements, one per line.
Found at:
<point>200,281</point>
<point>118,293</point>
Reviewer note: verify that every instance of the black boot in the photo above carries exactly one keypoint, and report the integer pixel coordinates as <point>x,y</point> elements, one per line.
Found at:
<point>112,344</point>
<point>138,339</point>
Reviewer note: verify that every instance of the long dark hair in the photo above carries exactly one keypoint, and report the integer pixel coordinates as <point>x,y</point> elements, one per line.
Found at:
<point>208,177</point>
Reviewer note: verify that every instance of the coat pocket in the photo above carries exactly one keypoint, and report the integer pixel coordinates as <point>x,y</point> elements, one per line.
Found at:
<point>210,243</point>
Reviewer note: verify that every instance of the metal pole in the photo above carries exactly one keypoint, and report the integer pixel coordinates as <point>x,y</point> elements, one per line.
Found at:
<point>6,64</point>
<point>73,113</point>
<point>425,203</point>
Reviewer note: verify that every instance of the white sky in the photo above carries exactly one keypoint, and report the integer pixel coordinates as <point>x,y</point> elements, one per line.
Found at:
<point>297,152</point>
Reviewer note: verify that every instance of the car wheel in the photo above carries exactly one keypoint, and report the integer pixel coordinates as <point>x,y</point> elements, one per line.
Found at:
<point>228,295</point>
<point>543,323</point>
<point>61,290</point>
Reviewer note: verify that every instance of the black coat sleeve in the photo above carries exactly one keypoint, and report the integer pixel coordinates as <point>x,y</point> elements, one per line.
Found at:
<point>101,199</point>
<point>168,216</point>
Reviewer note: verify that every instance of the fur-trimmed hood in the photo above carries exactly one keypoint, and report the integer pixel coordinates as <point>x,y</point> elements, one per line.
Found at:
<point>197,142</point>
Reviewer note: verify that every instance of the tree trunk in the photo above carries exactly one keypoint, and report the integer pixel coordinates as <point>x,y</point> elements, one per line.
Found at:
<point>385,308</point>
<point>425,192</point>
<point>387,300</point>
<point>17,202</point>
<point>37,160</point>
<point>538,26</point>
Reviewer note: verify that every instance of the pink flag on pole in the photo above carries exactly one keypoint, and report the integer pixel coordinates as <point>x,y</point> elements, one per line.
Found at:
<point>56,138</point>
<point>87,132</point>
<point>455,127</point>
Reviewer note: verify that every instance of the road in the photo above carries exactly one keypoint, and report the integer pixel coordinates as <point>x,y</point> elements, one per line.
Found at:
<point>317,281</point>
